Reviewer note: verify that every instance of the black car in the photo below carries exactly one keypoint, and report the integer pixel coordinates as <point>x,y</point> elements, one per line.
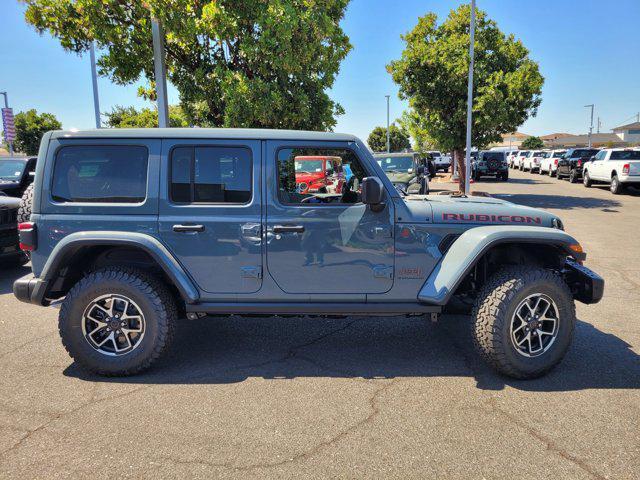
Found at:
<point>491,163</point>
<point>16,174</point>
<point>10,253</point>
<point>571,163</point>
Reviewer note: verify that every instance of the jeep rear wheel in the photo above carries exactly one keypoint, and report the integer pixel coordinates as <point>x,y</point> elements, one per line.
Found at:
<point>117,321</point>
<point>26,205</point>
<point>524,321</point>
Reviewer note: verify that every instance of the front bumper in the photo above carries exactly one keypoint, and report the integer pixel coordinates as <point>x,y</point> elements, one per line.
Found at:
<point>586,285</point>
<point>30,290</point>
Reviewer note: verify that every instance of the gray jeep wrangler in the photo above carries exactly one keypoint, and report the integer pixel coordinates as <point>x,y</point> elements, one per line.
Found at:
<point>133,229</point>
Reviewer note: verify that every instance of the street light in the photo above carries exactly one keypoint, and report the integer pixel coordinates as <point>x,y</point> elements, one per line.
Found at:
<point>467,160</point>
<point>591,127</point>
<point>388,135</point>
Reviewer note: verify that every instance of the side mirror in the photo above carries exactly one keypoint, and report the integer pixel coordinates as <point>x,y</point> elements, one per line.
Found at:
<point>372,192</point>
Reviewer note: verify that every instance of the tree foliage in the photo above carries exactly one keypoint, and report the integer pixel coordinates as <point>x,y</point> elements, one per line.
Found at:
<point>30,127</point>
<point>398,139</point>
<point>130,117</point>
<point>235,63</point>
<point>432,75</point>
<point>532,143</point>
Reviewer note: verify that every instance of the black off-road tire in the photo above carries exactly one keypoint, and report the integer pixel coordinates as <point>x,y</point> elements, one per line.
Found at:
<point>156,302</point>
<point>573,176</point>
<point>26,205</point>
<point>494,309</point>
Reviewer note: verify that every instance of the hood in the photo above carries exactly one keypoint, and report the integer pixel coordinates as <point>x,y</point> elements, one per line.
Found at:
<point>475,210</point>
<point>400,177</point>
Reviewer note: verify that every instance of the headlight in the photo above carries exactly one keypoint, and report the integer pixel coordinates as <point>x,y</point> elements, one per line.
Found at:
<point>557,223</point>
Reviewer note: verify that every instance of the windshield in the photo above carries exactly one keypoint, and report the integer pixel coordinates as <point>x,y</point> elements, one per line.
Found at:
<point>308,166</point>
<point>493,156</point>
<point>583,152</point>
<point>538,154</point>
<point>625,155</point>
<point>396,164</point>
<point>11,169</point>
<point>558,153</point>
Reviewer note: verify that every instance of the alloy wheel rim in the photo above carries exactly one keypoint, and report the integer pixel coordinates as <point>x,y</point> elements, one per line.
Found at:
<point>534,325</point>
<point>113,325</point>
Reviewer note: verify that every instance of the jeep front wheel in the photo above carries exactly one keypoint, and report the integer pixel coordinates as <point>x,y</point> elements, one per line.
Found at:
<point>117,321</point>
<point>524,321</point>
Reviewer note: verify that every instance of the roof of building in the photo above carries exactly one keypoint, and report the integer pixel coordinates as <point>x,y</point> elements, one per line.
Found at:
<point>627,126</point>
<point>203,133</point>
<point>596,138</point>
<point>515,135</point>
<point>553,136</point>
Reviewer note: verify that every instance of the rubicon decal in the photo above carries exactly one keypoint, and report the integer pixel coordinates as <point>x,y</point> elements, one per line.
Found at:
<point>480,218</point>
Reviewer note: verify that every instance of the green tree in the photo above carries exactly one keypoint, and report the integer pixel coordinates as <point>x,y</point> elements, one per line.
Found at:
<point>235,63</point>
<point>398,139</point>
<point>532,143</point>
<point>129,117</point>
<point>30,127</point>
<point>432,75</point>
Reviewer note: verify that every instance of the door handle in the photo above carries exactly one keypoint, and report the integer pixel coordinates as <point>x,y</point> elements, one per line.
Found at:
<point>188,228</point>
<point>288,229</point>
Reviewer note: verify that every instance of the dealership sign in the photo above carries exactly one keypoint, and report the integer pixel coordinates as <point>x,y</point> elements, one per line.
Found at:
<point>7,125</point>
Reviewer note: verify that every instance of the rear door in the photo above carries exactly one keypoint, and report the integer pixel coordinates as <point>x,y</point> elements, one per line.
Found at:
<point>325,243</point>
<point>209,212</point>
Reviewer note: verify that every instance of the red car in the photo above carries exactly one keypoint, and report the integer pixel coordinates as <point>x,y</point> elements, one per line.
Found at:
<point>319,174</point>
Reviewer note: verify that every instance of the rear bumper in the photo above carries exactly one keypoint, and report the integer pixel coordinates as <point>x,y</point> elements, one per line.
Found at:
<point>30,290</point>
<point>587,286</point>
<point>629,179</point>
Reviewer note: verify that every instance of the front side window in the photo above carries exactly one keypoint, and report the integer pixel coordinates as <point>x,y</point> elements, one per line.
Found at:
<point>100,174</point>
<point>210,175</point>
<point>318,176</point>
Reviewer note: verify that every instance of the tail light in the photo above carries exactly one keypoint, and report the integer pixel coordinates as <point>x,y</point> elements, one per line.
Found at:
<point>28,239</point>
<point>625,169</point>
<point>579,163</point>
<point>555,162</point>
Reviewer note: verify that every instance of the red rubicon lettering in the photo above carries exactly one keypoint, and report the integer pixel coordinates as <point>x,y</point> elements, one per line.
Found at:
<point>481,218</point>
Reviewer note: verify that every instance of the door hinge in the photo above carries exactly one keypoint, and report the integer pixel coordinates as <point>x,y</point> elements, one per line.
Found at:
<point>251,272</point>
<point>383,271</point>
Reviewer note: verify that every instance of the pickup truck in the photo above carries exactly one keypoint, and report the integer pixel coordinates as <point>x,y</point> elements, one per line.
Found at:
<point>619,167</point>
<point>571,163</point>
<point>134,230</point>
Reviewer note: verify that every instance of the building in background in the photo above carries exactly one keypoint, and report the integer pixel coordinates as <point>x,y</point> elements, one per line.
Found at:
<point>629,133</point>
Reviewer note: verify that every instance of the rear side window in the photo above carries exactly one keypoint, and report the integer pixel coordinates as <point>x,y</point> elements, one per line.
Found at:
<point>210,175</point>
<point>625,155</point>
<point>100,174</point>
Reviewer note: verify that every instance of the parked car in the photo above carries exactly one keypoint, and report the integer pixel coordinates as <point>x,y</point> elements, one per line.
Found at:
<point>440,161</point>
<point>316,173</point>
<point>136,228</point>
<point>531,163</point>
<point>619,167</point>
<point>571,164</point>
<point>549,163</point>
<point>16,174</point>
<point>491,163</point>
<point>519,158</point>
<point>511,155</point>
<point>408,172</point>
<point>10,253</point>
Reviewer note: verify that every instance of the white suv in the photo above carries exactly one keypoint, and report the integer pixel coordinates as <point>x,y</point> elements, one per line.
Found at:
<point>619,167</point>
<point>549,164</point>
<point>532,161</point>
<point>518,159</point>
<point>440,161</point>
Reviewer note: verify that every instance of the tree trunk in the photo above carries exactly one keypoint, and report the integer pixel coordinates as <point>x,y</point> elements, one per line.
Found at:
<point>458,156</point>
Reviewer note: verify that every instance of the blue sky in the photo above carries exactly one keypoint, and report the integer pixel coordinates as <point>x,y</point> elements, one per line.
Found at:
<point>587,49</point>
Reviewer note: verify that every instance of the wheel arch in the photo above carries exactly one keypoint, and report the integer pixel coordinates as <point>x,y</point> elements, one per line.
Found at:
<point>495,245</point>
<point>80,252</point>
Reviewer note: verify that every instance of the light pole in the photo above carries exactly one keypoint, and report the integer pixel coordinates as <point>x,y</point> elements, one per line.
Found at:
<point>6,105</point>
<point>591,127</point>
<point>94,81</point>
<point>388,135</point>
<point>160,73</point>
<point>467,159</point>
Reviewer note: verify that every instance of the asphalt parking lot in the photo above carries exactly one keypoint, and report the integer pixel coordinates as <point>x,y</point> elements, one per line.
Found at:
<point>356,398</point>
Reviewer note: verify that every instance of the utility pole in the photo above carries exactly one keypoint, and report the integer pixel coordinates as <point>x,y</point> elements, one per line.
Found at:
<point>591,127</point>
<point>599,125</point>
<point>94,81</point>
<point>467,160</point>
<point>160,73</point>
<point>388,133</point>
<point>7,121</point>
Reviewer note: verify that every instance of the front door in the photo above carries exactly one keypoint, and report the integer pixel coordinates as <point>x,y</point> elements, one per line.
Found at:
<point>210,213</point>
<point>324,241</point>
